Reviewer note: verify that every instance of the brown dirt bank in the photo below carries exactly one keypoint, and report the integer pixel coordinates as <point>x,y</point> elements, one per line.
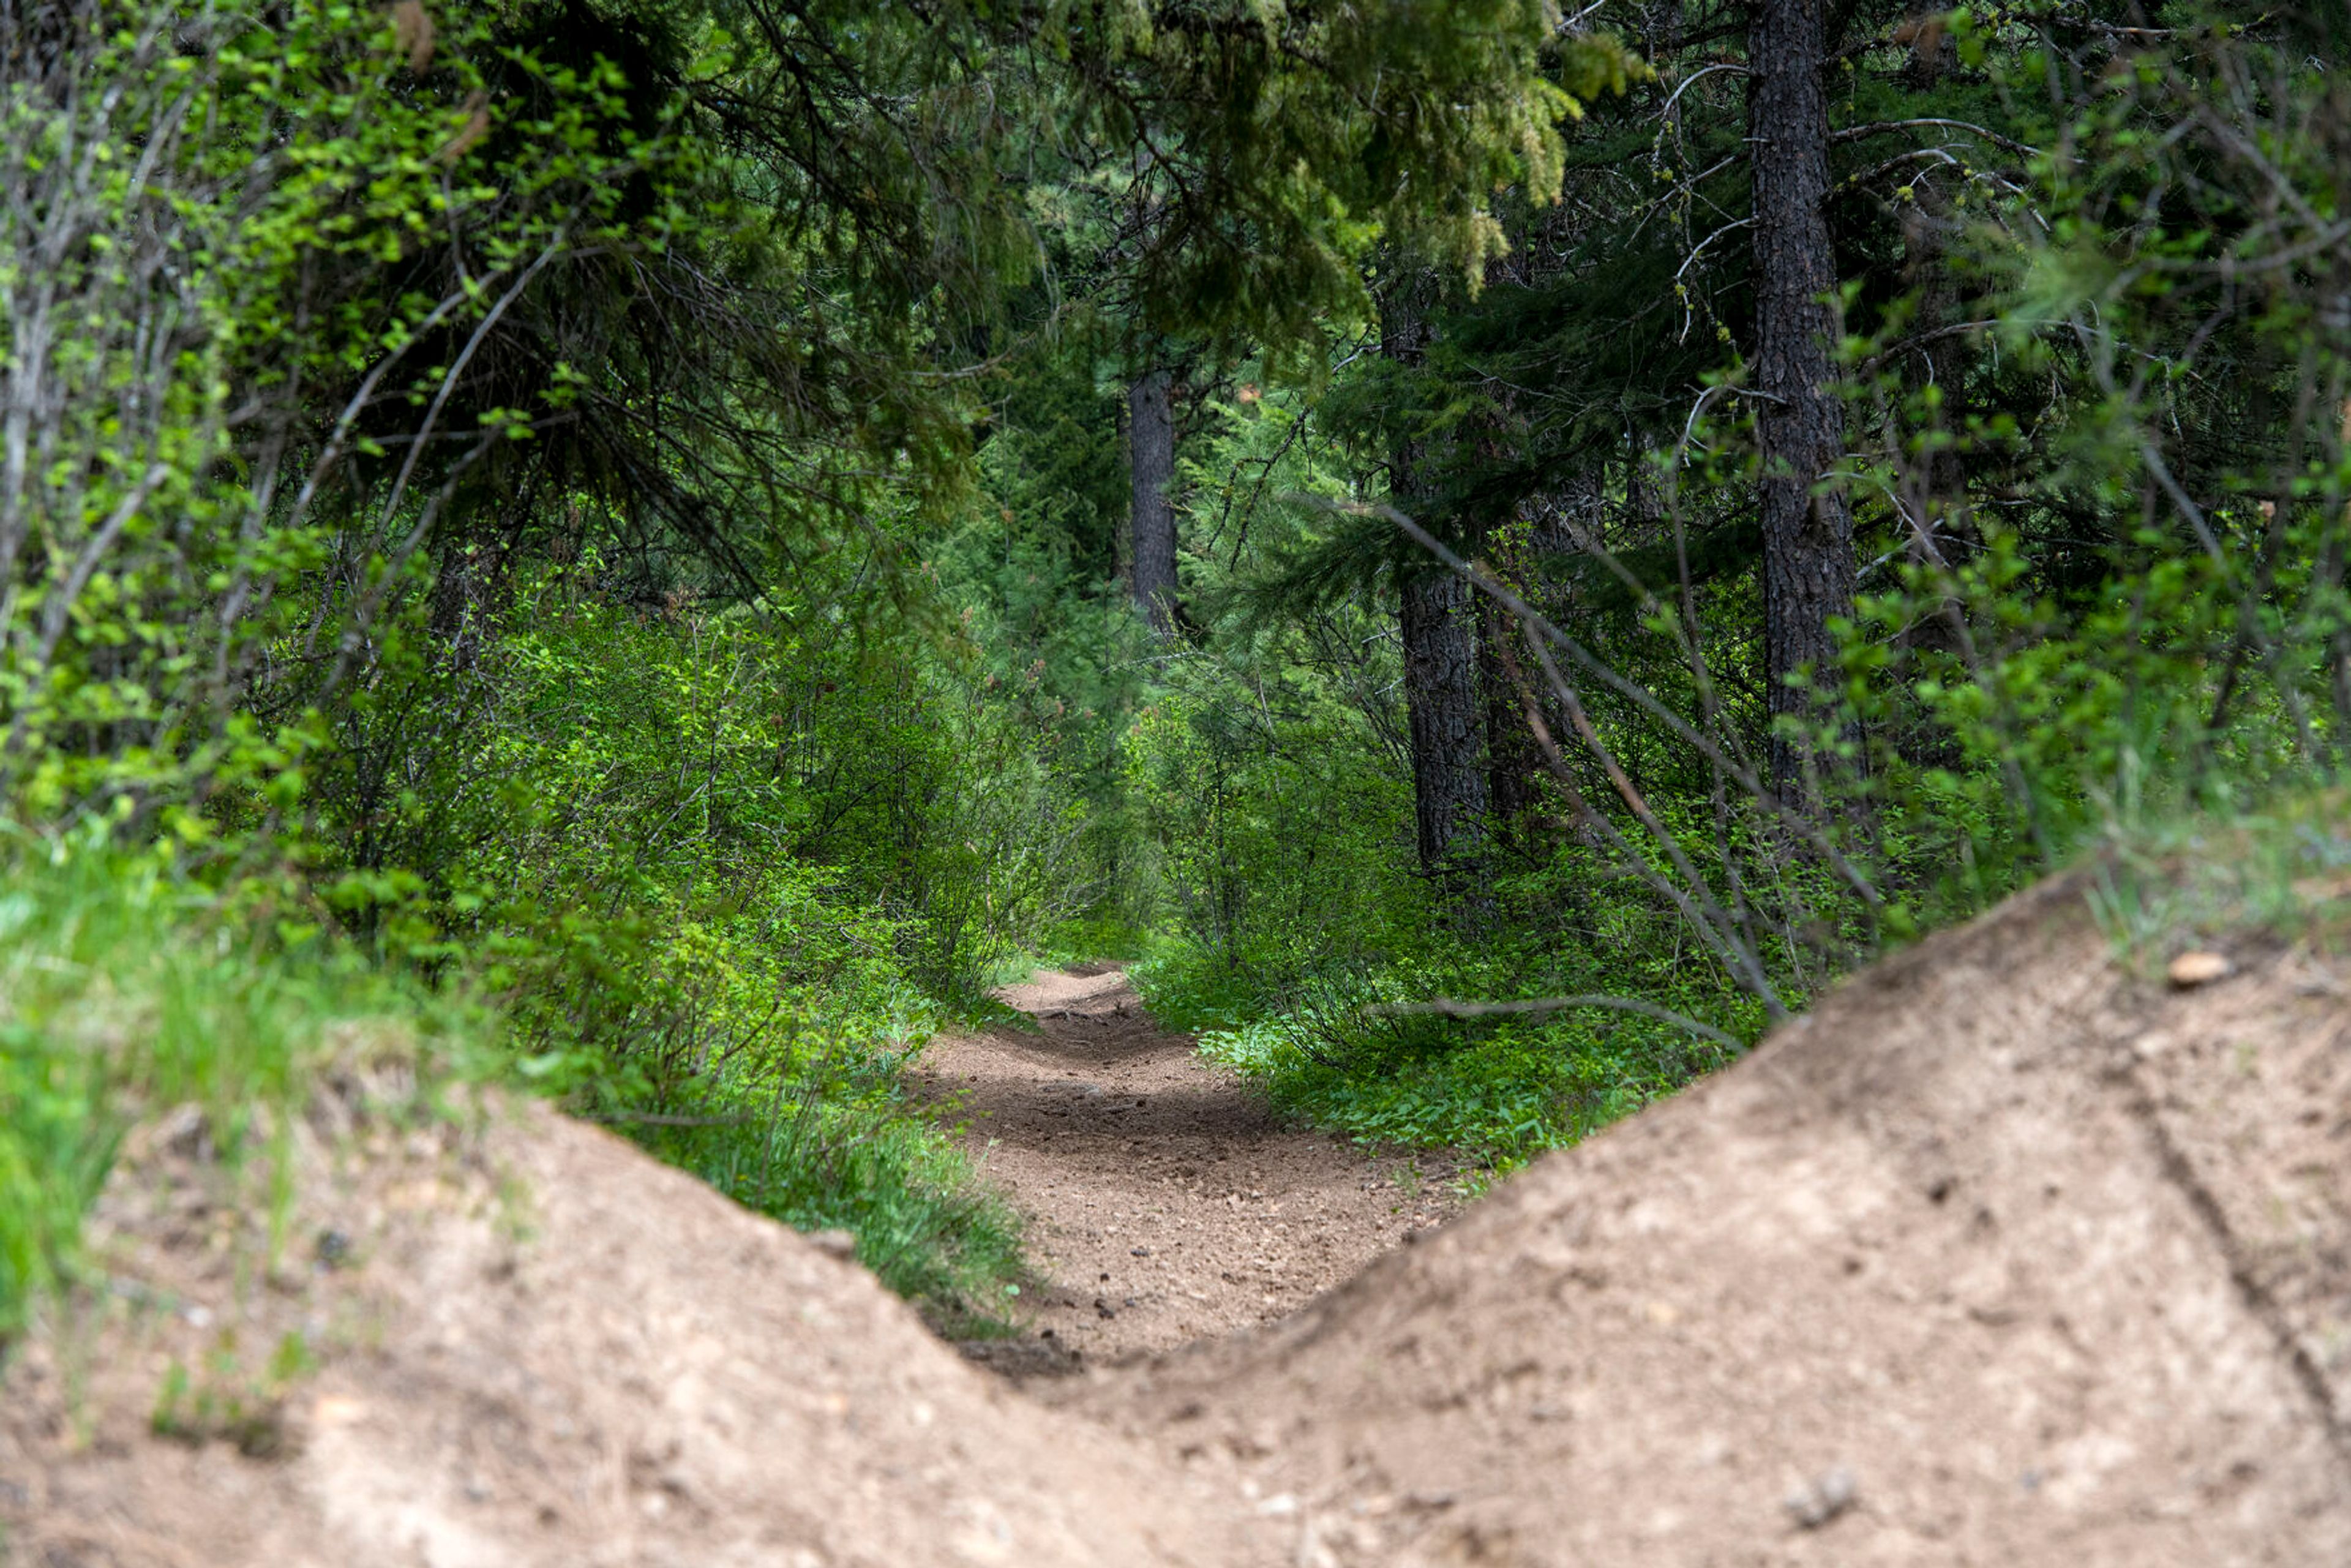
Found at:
<point>2002,1257</point>
<point>543,1348</point>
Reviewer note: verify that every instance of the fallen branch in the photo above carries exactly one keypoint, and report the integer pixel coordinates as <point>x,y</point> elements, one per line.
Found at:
<point>664,1119</point>
<point>1935,122</point>
<point>1445,1006</point>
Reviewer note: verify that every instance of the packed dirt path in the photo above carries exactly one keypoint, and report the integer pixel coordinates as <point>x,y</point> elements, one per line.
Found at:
<point>1167,1203</point>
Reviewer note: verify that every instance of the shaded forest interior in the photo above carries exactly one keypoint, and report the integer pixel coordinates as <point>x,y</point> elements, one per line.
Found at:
<point>1493,553</point>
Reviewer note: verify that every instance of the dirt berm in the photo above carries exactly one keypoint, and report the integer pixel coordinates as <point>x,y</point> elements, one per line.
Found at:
<point>2003,1257</point>
<point>539,1347</point>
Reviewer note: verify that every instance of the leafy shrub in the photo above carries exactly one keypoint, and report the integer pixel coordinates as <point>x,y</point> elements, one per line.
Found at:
<point>727,867</point>
<point>1324,1048</point>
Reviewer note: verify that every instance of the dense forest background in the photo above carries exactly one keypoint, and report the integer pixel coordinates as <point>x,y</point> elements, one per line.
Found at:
<point>665,547</point>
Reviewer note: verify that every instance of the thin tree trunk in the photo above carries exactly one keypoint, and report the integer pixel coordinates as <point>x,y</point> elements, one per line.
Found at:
<point>1934,492</point>
<point>460,602</point>
<point>1808,566</point>
<point>1927,230</point>
<point>1151,512</point>
<point>1438,627</point>
<point>1548,527</point>
<point>2333,557</point>
<point>1513,762</point>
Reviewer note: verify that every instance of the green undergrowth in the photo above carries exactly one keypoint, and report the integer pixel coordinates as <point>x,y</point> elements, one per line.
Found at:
<point>2281,872</point>
<point>754,871</point>
<point>1504,1089</point>
<point>124,992</point>
<point>127,990</point>
<point>1499,1090</point>
<point>1502,1099</point>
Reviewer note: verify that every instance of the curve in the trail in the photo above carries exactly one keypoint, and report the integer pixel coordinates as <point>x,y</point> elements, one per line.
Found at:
<point>1165,1201</point>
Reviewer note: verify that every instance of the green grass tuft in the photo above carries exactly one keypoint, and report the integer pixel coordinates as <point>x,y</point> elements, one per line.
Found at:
<point>126,992</point>
<point>123,994</point>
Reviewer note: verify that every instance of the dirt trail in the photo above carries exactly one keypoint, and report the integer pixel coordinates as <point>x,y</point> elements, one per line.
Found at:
<point>2006,1254</point>
<point>1167,1203</point>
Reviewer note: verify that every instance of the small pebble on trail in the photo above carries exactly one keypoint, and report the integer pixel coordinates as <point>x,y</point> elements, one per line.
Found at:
<point>2199,968</point>
<point>1827,1495</point>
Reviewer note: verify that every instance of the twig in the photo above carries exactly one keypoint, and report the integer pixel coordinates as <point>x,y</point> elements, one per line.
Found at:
<point>1918,341</point>
<point>1696,76</point>
<point>2008,144</point>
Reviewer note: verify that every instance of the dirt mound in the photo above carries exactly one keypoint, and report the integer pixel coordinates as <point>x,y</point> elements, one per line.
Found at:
<point>2002,1257</point>
<point>528,1343</point>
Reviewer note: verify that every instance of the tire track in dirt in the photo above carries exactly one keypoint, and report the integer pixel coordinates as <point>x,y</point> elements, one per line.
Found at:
<point>1167,1203</point>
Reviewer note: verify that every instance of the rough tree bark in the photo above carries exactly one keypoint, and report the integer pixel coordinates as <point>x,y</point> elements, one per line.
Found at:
<point>1151,511</point>
<point>1441,699</point>
<point>1438,627</point>
<point>1808,565</point>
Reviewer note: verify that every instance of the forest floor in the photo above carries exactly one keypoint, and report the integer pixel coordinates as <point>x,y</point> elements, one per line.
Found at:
<point>2008,1253</point>
<point>1165,1202</point>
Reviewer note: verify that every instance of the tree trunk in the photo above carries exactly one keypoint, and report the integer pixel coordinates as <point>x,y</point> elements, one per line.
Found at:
<point>2334,557</point>
<point>1934,493</point>
<point>1927,230</point>
<point>1438,627</point>
<point>1514,763</point>
<point>1808,566</point>
<point>459,612</point>
<point>1151,512</point>
<point>1441,699</point>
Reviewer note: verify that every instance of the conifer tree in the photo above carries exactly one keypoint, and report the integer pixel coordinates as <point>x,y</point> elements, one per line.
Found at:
<point>1151,512</point>
<point>1807,526</point>
<point>1436,629</point>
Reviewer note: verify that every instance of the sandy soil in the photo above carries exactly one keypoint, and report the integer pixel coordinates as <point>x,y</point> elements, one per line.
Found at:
<point>534,1345</point>
<point>2005,1256</point>
<point>1166,1204</point>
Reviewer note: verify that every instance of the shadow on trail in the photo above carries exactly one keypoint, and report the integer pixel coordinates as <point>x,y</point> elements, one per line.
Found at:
<point>1089,1040</point>
<point>1081,1119</point>
<point>1168,1202</point>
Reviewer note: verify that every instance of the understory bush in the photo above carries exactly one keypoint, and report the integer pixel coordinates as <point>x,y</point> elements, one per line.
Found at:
<point>727,867</point>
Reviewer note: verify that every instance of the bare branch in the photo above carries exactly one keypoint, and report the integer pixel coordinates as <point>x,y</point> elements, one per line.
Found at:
<point>1884,127</point>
